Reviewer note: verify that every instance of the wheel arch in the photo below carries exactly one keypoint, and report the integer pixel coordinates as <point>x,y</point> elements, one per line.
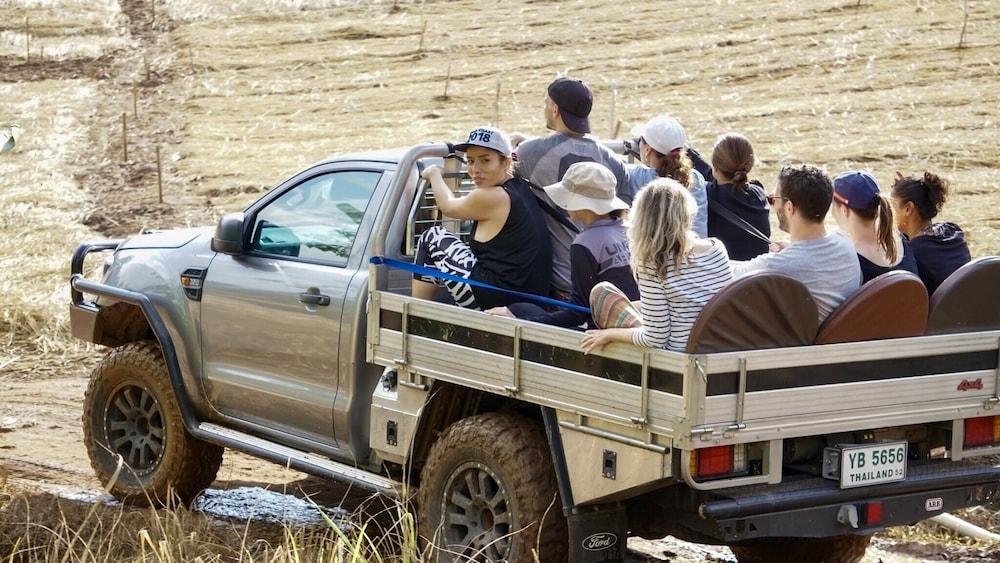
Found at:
<point>448,403</point>
<point>121,323</point>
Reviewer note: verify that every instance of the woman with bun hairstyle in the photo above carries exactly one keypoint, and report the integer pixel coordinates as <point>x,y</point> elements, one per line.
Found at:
<point>663,151</point>
<point>736,206</point>
<point>865,215</point>
<point>939,248</point>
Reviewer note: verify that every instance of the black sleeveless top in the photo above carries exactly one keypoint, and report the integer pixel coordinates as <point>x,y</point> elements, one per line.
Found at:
<point>519,257</point>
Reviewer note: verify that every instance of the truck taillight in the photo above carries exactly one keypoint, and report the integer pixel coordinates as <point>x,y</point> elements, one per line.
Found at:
<point>718,461</point>
<point>982,431</point>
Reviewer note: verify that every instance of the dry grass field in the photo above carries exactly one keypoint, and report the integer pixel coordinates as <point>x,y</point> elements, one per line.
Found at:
<point>238,95</point>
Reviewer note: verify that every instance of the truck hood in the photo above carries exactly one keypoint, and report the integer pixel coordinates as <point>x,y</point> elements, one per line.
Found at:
<point>165,239</point>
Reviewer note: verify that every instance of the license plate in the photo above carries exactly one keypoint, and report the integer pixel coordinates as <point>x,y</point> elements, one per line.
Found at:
<point>871,464</point>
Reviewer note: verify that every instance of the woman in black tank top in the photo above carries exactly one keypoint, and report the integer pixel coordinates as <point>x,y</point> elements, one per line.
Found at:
<point>509,246</point>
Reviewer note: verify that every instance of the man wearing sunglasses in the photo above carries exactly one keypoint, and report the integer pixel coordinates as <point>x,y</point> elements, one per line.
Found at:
<point>826,264</point>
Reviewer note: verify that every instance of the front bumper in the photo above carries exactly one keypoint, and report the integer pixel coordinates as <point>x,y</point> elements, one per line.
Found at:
<point>83,321</point>
<point>82,313</point>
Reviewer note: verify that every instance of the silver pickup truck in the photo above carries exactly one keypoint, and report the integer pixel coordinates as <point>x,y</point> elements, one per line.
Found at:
<point>289,335</point>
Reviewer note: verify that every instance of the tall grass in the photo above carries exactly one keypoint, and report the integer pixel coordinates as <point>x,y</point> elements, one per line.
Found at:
<point>45,528</point>
<point>40,207</point>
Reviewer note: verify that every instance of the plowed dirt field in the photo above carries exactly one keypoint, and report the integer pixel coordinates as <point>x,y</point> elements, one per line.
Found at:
<point>235,96</point>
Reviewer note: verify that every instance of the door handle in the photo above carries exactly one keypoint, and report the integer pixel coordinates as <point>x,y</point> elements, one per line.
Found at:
<point>314,299</point>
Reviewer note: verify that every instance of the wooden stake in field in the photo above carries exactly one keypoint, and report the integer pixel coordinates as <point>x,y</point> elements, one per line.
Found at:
<point>159,175</point>
<point>125,136</point>
<point>152,11</point>
<point>618,128</point>
<point>423,33</point>
<point>135,102</point>
<point>496,105</point>
<point>447,78</point>
<point>965,22</point>
<point>614,100</point>
<point>145,64</point>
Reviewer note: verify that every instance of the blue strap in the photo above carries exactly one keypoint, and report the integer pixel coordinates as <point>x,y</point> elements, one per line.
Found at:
<point>434,273</point>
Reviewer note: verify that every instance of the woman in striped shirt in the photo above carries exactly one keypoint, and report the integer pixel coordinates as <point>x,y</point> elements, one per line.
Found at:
<point>677,272</point>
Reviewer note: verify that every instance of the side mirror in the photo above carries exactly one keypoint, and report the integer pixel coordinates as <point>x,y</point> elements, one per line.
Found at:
<point>228,237</point>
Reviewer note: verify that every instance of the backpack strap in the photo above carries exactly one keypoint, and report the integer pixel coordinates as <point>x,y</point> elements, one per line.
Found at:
<point>727,214</point>
<point>557,214</point>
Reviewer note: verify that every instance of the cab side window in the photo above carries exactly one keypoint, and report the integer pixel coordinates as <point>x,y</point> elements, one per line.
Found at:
<point>316,220</point>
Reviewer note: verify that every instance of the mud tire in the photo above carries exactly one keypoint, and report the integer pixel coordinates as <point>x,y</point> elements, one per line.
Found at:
<point>174,466</point>
<point>511,452</point>
<point>836,549</point>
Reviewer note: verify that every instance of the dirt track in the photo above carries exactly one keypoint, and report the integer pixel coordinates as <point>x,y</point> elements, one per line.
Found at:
<point>237,98</point>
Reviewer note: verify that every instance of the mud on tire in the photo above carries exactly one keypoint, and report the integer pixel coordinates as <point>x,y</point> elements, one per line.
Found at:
<point>130,410</point>
<point>486,490</point>
<point>837,549</point>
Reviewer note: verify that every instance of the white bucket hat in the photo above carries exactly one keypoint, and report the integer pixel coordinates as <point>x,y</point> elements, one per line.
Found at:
<point>663,133</point>
<point>586,185</point>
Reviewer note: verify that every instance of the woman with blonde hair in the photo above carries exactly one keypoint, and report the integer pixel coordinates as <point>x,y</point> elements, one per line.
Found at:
<point>677,273</point>
<point>865,215</point>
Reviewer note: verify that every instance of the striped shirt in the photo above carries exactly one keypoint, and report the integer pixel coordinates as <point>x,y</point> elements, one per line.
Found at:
<point>671,305</point>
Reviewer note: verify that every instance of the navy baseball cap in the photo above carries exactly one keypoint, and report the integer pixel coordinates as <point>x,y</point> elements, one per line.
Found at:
<point>575,100</point>
<point>855,189</point>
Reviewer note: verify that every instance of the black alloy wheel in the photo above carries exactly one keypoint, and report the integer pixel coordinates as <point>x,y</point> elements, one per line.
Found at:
<point>134,431</point>
<point>477,514</point>
<point>135,427</point>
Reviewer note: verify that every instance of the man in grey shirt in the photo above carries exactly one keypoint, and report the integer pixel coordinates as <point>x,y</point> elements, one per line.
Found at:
<point>827,264</point>
<point>544,161</point>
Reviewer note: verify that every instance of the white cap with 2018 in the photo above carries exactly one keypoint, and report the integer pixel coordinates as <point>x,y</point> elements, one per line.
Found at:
<point>487,137</point>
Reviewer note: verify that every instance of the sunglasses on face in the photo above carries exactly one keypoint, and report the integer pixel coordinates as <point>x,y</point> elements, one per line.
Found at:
<point>771,198</point>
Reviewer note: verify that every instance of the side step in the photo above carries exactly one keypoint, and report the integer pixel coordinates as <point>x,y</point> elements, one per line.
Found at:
<point>298,460</point>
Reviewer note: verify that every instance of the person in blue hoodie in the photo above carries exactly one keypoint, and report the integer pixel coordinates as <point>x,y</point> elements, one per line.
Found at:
<point>939,248</point>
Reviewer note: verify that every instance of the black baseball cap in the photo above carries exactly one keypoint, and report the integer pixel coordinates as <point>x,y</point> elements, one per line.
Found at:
<point>575,101</point>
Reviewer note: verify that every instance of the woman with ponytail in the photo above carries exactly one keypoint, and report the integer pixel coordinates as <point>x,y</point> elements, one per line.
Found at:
<point>939,248</point>
<point>738,213</point>
<point>663,150</point>
<point>865,215</point>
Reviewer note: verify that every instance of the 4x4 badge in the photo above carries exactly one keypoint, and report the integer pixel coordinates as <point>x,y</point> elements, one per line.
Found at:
<point>965,385</point>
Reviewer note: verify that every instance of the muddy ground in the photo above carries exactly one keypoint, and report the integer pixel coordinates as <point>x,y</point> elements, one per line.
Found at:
<point>237,95</point>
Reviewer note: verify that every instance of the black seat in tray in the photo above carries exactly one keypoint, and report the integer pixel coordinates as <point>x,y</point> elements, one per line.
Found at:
<point>969,300</point>
<point>893,305</point>
<point>761,310</point>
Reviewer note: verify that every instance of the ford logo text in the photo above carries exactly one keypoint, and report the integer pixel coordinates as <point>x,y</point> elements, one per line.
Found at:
<point>600,541</point>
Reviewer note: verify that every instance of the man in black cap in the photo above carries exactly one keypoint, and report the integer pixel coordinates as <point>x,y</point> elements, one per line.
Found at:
<point>544,161</point>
